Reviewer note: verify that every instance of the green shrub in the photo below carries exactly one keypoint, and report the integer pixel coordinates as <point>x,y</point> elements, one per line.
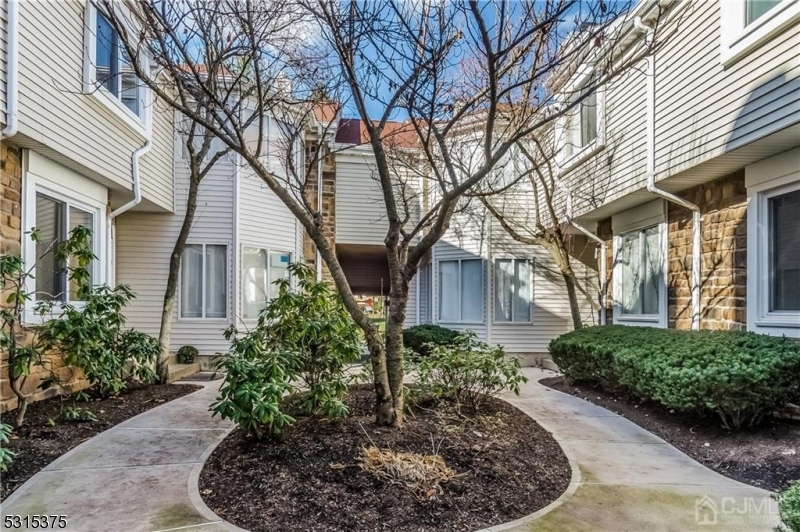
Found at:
<point>187,354</point>
<point>740,376</point>
<point>304,337</point>
<point>468,371</point>
<point>789,508</point>
<point>6,456</point>
<point>420,338</point>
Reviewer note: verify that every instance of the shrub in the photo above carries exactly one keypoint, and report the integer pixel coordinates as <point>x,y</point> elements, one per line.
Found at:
<point>789,508</point>
<point>187,354</point>
<point>468,371</point>
<point>420,338</point>
<point>740,376</point>
<point>91,337</point>
<point>6,456</point>
<point>304,337</point>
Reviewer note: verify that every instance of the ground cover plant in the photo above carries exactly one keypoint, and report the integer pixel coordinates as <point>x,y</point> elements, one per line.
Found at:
<point>789,509</point>
<point>420,338</point>
<point>740,376</point>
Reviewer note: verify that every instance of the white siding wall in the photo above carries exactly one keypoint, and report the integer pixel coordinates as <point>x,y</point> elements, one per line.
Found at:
<point>73,128</point>
<point>360,209</point>
<point>3,68</point>
<point>144,244</point>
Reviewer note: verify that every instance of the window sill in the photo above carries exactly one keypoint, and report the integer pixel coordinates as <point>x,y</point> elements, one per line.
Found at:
<point>747,39</point>
<point>587,151</point>
<point>790,321</point>
<point>460,323</point>
<point>120,112</point>
<point>203,320</point>
<point>639,319</point>
<point>514,323</point>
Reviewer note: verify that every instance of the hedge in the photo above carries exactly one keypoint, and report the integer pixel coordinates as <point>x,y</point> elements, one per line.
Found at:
<point>739,375</point>
<point>416,337</point>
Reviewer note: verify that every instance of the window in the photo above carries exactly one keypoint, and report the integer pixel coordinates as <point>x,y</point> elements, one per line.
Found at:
<point>513,290</point>
<point>784,252</point>
<point>641,263</point>
<point>55,218</point>
<point>461,291</point>
<point>109,75</point>
<point>581,125</point>
<point>260,270</point>
<point>748,24</point>
<point>204,281</point>
<point>755,9</point>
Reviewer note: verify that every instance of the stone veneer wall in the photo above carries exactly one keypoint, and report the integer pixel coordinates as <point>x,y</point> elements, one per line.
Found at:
<point>10,244</point>
<point>328,208</point>
<point>723,276</point>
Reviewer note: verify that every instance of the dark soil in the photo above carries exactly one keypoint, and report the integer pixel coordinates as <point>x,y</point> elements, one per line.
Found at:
<point>37,442</point>
<point>508,466</point>
<point>767,456</point>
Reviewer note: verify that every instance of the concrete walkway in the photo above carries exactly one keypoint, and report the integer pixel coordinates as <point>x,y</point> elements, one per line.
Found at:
<point>627,479</point>
<point>142,475</point>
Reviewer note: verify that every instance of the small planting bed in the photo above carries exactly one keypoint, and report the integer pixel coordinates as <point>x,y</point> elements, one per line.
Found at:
<point>767,456</point>
<point>499,465</point>
<point>39,440</point>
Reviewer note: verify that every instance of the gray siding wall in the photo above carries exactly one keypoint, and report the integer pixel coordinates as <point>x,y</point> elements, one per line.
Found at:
<point>74,128</point>
<point>360,210</point>
<point>144,244</point>
<point>703,108</point>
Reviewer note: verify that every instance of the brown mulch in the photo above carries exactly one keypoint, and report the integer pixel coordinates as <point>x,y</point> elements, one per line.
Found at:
<point>506,467</point>
<point>766,456</point>
<point>37,442</point>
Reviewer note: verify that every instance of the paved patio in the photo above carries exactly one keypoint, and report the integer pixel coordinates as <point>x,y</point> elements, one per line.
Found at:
<point>142,475</point>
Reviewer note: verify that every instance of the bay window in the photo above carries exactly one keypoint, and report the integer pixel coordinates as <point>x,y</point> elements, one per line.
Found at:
<point>204,281</point>
<point>513,290</point>
<point>461,291</point>
<point>260,269</point>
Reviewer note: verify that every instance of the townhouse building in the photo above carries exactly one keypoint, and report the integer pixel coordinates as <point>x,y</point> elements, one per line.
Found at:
<point>689,168</point>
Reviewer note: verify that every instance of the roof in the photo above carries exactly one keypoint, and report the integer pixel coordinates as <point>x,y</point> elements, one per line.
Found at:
<point>399,134</point>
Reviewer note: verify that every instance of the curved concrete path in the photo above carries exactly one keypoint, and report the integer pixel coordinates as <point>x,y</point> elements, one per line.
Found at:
<point>142,475</point>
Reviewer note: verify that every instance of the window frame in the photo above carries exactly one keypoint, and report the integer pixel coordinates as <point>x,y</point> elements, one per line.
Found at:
<point>99,246</point>
<point>760,268</point>
<point>268,251</point>
<point>97,90</point>
<point>737,39</point>
<point>226,318</point>
<point>653,320</point>
<point>460,321</point>
<point>581,78</point>
<point>531,265</point>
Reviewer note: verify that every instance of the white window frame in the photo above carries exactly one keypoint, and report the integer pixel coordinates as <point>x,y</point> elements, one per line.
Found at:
<point>579,79</point>
<point>99,247</point>
<point>738,40</point>
<point>759,316</point>
<point>513,260</point>
<point>652,320</point>
<point>94,89</point>
<point>439,292</point>
<point>203,318</point>
<point>269,272</point>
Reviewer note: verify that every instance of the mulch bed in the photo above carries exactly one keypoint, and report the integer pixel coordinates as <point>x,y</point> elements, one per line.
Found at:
<point>767,456</point>
<point>37,442</point>
<point>507,465</point>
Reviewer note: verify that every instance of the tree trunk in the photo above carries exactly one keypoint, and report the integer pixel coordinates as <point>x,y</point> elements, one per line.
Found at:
<point>165,332</point>
<point>558,250</point>
<point>22,400</point>
<point>396,317</point>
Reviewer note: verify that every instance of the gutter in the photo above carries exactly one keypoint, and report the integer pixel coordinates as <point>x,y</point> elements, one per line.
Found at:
<point>12,74</point>
<point>651,186</point>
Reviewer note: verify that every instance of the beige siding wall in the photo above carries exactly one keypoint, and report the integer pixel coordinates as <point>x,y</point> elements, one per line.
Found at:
<point>144,244</point>
<point>74,128</point>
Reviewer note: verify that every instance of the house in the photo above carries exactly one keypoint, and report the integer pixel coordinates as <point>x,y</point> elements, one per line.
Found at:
<point>689,168</point>
<point>79,146</point>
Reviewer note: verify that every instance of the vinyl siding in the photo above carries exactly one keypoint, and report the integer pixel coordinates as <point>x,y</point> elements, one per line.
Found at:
<point>74,128</point>
<point>703,109</point>
<point>360,210</point>
<point>144,244</point>
<point>3,60</point>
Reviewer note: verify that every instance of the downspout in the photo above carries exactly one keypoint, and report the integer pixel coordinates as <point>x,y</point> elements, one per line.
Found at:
<point>600,242</point>
<point>651,186</point>
<point>12,74</point>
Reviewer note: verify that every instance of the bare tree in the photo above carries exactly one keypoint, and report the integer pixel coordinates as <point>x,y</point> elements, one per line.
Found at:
<point>468,79</point>
<point>197,144</point>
